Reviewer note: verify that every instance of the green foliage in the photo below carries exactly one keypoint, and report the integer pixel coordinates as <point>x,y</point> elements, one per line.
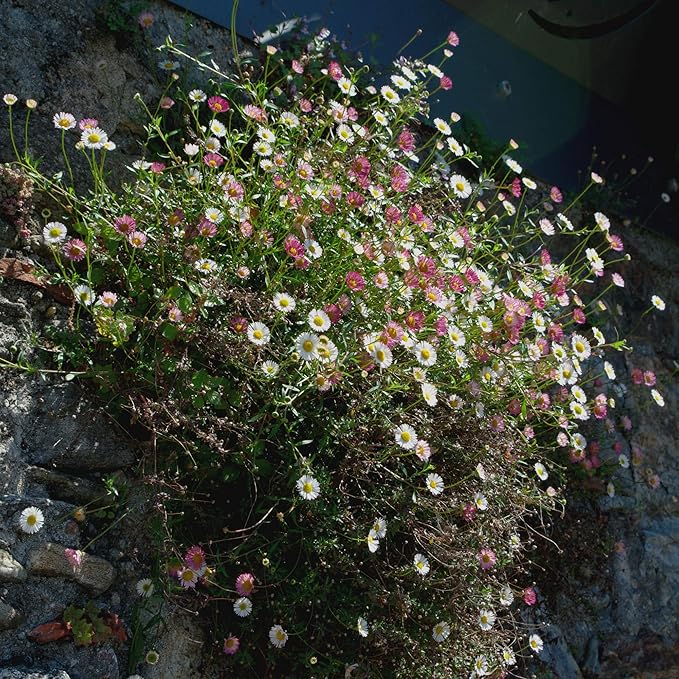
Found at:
<point>357,354</point>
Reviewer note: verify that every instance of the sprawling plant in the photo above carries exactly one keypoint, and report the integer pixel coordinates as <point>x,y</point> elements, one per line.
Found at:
<point>360,359</point>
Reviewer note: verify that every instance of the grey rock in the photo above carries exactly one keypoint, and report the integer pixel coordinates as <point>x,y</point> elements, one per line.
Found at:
<point>10,569</point>
<point>179,648</point>
<point>33,674</point>
<point>590,663</point>
<point>556,654</point>
<point>95,574</point>
<point>73,434</point>
<point>9,617</point>
<point>65,486</point>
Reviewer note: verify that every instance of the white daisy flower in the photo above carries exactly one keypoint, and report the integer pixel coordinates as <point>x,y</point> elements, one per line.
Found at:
<point>258,333</point>
<point>346,87</point>
<point>205,265</point>
<point>442,126</point>
<point>381,354</point>
<point>658,303</point>
<point>380,527</point>
<point>278,636</point>
<point>508,657</point>
<point>362,627</point>
<point>429,394</point>
<point>389,94</point>
<point>480,501</point>
<point>455,147</point>
<point>381,118</point>
<point>513,165</point>
<point>93,138</point>
<point>536,644</point>
<point>425,353</point>
<point>541,471</point>
<point>434,484</point>
<point>486,619</point>
<point>289,119</point>
<point>401,82</point>
<point>54,233</point>
<point>145,587</point>
<point>506,596</point>
<point>217,128</point>
<point>440,631</point>
<point>373,540</point>
<point>657,397</point>
<point>306,345</point>
<point>421,564</point>
<point>214,215</point>
<point>581,347</point>
<point>405,436</point>
<point>261,148</point>
<point>31,520</point>
<point>265,134</point>
<point>270,368</point>
<point>284,302</point>
<point>318,320</point>
<point>242,607</point>
<point>197,96</point>
<point>308,487</point>
<point>485,323</point>
<point>461,186</point>
<point>84,295</point>
<point>64,121</point>
<point>481,666</point>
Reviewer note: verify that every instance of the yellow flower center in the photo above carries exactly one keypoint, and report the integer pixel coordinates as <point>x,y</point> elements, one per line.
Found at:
<point>280,635</point>
<point>459,186</point>
<point>31,520</point>
<point>405,436</point>
<point>258,334</point>
<point>425,353</point>
<point>308,345</point>
<point>380,355</point>
<point>308,487</point>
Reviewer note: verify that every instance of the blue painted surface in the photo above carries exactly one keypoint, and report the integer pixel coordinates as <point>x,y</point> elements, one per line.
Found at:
<point>556,121</point>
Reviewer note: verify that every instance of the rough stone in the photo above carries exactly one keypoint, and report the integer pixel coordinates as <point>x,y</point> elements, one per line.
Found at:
<point>179,649</point>
<point>65,486</point>
<point>33,674</point>
<point>95,574</point>
<point>9,617</point>
<point>10,569</point>
<point>73,434</point>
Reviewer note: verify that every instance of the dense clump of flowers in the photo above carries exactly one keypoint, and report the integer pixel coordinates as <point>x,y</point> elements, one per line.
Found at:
<point>373,358</point>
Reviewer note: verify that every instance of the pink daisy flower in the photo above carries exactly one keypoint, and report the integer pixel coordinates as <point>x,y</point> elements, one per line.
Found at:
<point>195,560</point>
<point>213,160</point>
<point>74,249</point>
<point>453,39</point>
<point>255,113</point>
<point>137,239</point>
<point>245,584</point>
<point>335,71</point>
<point>108,299</point>
<point>355,281</point>
<point>218,104</point>
<point>445,83</point>
<point>487,558</point>
<point>146,19</point>
<point>74,557</point>
<point>555,194</point>
<point>175,315</point>
<point>88,123</point>
<point>231,645</point>
<point>529,596</point>
<point>124,224</point>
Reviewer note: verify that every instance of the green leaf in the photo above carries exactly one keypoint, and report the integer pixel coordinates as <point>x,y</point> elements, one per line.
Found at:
<point>169,331</point>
